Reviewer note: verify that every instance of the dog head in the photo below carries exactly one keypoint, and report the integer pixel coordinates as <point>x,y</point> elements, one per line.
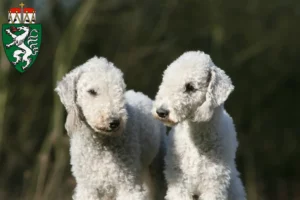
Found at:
<point>94,94</point>
<point>191,89</point>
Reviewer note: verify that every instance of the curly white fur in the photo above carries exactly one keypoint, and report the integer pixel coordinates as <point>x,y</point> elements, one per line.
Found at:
<point>200,160</point>
<point>109,164</point>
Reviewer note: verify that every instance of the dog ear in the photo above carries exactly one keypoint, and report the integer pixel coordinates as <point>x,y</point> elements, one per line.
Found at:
<point>218,90</point>
<point>72,122</point>
<point>66,90</point>
<point>220,86</point>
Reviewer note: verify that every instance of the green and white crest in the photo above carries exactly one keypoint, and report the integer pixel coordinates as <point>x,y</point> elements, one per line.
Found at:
<point>21,41</point>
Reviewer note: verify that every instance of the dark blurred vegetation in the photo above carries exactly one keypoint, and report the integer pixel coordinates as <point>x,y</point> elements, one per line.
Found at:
<point>256,42</point>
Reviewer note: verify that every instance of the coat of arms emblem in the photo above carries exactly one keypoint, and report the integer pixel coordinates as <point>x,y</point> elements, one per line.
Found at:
<point>21,37</point>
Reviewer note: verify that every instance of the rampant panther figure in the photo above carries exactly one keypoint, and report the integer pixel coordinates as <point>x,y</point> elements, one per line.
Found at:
<point>19,41</point>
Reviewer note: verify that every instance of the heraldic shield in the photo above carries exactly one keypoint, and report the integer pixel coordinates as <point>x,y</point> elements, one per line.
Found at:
<point>21,37</point>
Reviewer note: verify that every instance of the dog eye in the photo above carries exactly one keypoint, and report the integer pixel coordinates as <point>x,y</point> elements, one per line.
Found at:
<point>189,88</point>
<point>92,92</point>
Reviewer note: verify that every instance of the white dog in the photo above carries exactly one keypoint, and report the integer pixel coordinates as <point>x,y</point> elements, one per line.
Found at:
<point>114,138</point>
<point>200,160</point>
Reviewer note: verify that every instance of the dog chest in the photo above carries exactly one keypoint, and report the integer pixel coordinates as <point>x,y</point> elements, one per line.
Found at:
<point>196,163</point>
<point>100,166</point>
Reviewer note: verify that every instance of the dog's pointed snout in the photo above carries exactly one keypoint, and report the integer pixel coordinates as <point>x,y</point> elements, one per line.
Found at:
<point>161,112</point>
<point>114,124</point>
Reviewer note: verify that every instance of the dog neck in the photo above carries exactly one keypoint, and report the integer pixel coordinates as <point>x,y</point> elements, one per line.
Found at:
<point>217,113</point>
<point>204,135</point>
<point>89,137</point>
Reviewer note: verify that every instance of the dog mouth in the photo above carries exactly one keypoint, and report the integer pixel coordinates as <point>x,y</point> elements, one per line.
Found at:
<point>108,131</point>
<point>166,121</point>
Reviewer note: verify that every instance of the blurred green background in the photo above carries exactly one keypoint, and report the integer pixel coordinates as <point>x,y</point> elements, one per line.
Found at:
<point>256,42</point>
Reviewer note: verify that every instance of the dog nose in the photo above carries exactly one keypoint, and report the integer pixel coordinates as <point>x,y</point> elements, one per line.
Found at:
<point>163,113</point>
<point>114,124</point>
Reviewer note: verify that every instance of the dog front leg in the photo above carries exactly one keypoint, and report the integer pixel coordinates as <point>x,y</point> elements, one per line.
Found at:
<point>216,184</point>
<point>178,192</point>
<point>132,193</point>
<point>85,193</point>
